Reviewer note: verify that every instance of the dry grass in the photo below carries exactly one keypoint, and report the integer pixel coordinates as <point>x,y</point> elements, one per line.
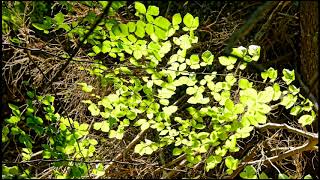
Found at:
<point>19,68</point>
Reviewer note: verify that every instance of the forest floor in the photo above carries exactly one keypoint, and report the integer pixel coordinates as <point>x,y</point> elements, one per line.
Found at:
<point>276,30</point>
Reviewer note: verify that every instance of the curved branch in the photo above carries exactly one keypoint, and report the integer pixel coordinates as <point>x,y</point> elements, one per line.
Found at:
<point>310,145</point>
<point>289,128</point>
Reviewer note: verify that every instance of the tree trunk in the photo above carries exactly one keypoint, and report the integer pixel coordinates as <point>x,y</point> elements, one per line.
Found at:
<point>309,53</point>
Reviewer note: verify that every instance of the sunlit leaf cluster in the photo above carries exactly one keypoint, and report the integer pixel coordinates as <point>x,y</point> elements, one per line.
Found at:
<point>157,72</point>
<point>221,109</point>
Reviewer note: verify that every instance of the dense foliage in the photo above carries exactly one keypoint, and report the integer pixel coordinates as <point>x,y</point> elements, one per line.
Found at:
<point>194,102</point>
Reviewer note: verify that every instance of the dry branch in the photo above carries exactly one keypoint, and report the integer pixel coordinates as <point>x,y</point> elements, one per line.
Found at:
<point>120,155</point>
<point>180,158</point>
<point>172,173</point>
<point>289,128</point>
<point>308,146</point>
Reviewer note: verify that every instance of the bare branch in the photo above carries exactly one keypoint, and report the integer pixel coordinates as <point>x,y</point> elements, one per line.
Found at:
<point>180,158</point>
<point>172,173</point>
<point>289,128</point>
<point>34,50</point>
<point>76,161</point>
<point>120,155</point>
<point>309,145</point>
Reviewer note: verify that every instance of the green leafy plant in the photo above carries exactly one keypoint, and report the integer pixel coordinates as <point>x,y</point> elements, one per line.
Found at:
<point>64,142</point>
<point>145,44</point>
<point>157,71</point>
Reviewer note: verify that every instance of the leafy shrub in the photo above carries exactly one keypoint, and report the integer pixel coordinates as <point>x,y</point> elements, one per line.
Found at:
<point>64,142</point>
<point>158,70</point>
<point>222,108</point>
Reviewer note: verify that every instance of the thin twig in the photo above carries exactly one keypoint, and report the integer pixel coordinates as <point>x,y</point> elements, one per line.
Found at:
<point>77,161</point>
<point>133,67</point>
<point>120,155</point>
<point>35,50</point>
<point>309,145</point>
<point>208,26</point>
<point>172,173</point>
<point>180,158</point>
<point>248,26</point>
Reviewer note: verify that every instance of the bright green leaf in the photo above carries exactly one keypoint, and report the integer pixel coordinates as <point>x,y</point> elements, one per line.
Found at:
<point>176,151</point>
<point>263,175</point>
<point>15,109</point>
<point>288,76</point>
<point>283,176</point>
<point>59,18</point>
<point>153,10</point>
<point>240,51</point>
<point>94,110</point>
<point>176,19</point>
<point>13,120</point>
<point>295,110</point>
<point>188,20</point>
<point>131,26</point>
<point>162,23</point>
<point>149,29</point>
<point>226,61</point>
<point>306,120</point>
<point>140,7</point>
<point>212,162</point>
<point>249,172</point>
<point>307,177</point>
<point>140,30</point>
<point>170,110</point>
<point>96,49</point>
<point>231,163</point>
